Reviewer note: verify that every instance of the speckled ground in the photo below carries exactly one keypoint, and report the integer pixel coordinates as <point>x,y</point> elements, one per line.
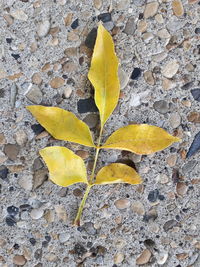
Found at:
<point>45,52</point>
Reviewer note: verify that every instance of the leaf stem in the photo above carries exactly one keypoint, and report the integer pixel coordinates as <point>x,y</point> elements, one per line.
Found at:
<point>80,210</point>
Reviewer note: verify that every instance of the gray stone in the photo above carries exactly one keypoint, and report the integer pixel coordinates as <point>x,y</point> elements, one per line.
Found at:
<point>161,106</point>
<point>34,94</point>
<point>130,26</point>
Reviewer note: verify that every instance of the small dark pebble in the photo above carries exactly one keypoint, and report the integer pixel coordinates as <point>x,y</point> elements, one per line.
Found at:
<point>45,244</point>
<point>48,238</point>
<point>196,94</point>
<point>175,176</point>
<point>37,128</point>
<point>25,207</point>
<point>169,225</point>
<point>195,146</point>
<point>187,86</point>
<point>197,31</point>
<point>105,17</point>
<point>12,210</point>
<point>75,24</point>
<point>161,197</point>
<point>153,195</point>
<point>3,172</point>
<point>89,244</point>
<point>16,56</point>
<point>16,246</point>
<point>2,93</point>
<point>79,249</point>
<point>9,40</point>
<point>32,241</point>
<point>136,73</point>
<point>87,105</point>
<point>149,243</point>
<point>91,38</point>
<point>10,220</point>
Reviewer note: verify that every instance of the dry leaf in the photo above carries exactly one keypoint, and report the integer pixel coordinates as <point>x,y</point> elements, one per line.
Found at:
<point>117,173</point>
<point>140,139</point>
<point>62,124</point>
<point>65,167</point>
<point>103,74</point>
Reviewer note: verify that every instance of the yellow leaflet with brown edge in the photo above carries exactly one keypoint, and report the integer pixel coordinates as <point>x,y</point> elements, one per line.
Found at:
<point>62,124</point>
<point>65,167</point>
<point>117,173</point>
<point>140,139</point>
<point>103,74</point>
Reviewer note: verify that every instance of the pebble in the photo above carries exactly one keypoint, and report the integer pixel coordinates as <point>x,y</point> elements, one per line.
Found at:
<point>37,128</point>
<point>159,18</point>
<point>168,84</point>
<point>147,36</point>
<point>91,120</point>
<point>21,137</point>
<point>34,94</point>
<point>64,237</point>
<point>43,28</point>
<point>142,26</point>
<point>169,225</point>
<point>151,9</point>
<point>91,38</point>
<point>67,91</point>
<point>136,73</point>
<point>75,24</point>
<point>3,157</point>
<point>162,258</point>
<point>69,67</point>
<point>151,215</point>
<point>175,120</point>
<point>170,69</point>
<point>123,78</point>
<point>12,151</point>
<point>148,76</point>
<point>86,105</point>
<point>39,177</point>
<point>161,106</point>
<point>194,117</point>
<point>36,214</point>
<point>2,139</point>
<point>19,14</point>
<point>3,172</point>
<point>118,258</point>
<point>122,204</point>
<point>97,4</point>
<point>196,94</point>
<point>144,257</point>
<point>177,7</point>
<point>159,57</point>
<point>61,213</point>
<point>163,34</point>
<point>63,192</point>
<point>36,78</point>
<point>89,228</point>
<point>105,17</point>
<point>10,220</point>
<point>138,208</point>
<point>153,195</point>
<point>181,188</point>
<point>25,182</point>
<point>171,160</point>
<point>130,26</point>
<point>12,210</point>
<point>19,260</point>
<point>57,82</point>
<point>162,178</point>
<point>195,146</point>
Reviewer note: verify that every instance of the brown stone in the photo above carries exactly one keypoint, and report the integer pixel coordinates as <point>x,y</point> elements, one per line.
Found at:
<point>53,31</point>
<point>182,256</point>
<point>151,9</point>
<point>57,82</point>
<point>69,67</point>
<point>171,160</point>
<point>2,139</point>
<point>194,117</point>
<point>142,26</point>
<point>122,203</point>
<point>82,153</point>
<point>15,76</point>
<point>178,8</point>
<point>39,178</point>
<point>148,76</point>
<point>71,51</point>
<point>144,257</point>
<point>46,67</point>
<point>11,151</point>
<point>19,260</point>
<point>68,19</point>
<point>181,188</point>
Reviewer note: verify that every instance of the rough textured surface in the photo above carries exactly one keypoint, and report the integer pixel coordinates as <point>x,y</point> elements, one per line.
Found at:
<point>45,52</point>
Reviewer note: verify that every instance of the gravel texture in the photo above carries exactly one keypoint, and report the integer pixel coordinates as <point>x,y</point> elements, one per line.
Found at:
<point>45,53</point>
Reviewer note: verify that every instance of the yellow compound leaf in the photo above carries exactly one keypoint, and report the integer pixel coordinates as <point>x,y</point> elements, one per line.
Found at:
<point>140,139</point>
<point>65,167</point>
<point>117,173</point>
<point>62,124</point>
<point>103,74</point>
